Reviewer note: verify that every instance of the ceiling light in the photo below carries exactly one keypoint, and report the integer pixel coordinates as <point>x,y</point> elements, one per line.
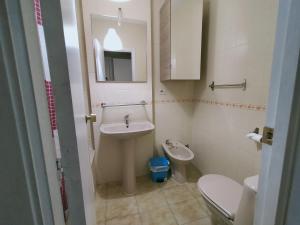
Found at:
<point>112,41</point>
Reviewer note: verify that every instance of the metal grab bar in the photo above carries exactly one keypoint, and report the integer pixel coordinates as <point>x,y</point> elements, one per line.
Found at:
<point>105,105</point>
<point>240,85</point>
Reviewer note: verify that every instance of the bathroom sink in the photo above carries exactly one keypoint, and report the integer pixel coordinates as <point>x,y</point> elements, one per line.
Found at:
<point>120,131</point>
<point>127,135</point>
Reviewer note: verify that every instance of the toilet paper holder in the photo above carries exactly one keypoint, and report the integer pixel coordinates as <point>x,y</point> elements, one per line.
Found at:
<point>267,135</point>
<point>255,136</point>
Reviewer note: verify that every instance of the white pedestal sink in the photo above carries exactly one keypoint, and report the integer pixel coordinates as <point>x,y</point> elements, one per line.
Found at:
<point>127,136</point>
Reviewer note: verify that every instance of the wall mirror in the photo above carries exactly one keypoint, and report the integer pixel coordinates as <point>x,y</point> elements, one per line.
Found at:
<point>120,49</point>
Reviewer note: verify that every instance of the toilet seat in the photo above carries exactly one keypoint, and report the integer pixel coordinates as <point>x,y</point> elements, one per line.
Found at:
<point>222,192</point>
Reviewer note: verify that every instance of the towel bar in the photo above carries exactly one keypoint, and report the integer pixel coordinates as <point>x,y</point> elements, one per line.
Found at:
<point>240,85</point>
<point>104,105</point>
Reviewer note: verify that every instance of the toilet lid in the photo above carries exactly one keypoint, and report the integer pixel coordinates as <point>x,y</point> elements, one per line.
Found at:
<point>224,193</point>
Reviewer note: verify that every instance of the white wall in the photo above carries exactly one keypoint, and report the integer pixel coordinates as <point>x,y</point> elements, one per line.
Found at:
<point>238,38</point>
<point>108,159</point>
<point>237,44</point>
<point>173,107</point>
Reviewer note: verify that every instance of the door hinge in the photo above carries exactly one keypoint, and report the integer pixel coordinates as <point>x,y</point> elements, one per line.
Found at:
<point>267,137</point>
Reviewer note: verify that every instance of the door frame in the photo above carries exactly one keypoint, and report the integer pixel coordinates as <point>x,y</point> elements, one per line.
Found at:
<point>279,161</point>
<point>289,195</point>
<point>28,166</point>
<point>280,187</point>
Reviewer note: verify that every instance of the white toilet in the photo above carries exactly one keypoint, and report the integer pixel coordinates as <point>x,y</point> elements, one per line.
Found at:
<point>229,201</point>
<point>179,156</point>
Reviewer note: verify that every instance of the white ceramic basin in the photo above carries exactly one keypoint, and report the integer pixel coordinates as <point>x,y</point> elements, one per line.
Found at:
<point>120,131</point>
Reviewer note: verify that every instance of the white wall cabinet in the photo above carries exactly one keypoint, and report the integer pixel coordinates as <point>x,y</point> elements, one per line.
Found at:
<point>180,39</point>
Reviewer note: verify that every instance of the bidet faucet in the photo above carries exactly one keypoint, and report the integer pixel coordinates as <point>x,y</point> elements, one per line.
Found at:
<point>126,119</point>
<point>169,143</point>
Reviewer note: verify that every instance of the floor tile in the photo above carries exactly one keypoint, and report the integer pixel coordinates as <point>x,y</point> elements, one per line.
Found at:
<point>127,220</point>
<point>101,190</point>
<point>150,201</point>
<point>121,207</point>
<point>204,221</point>
<point>188,211</point>
<point>159,216</point>
<point>115,190</point>
<point>100,223</point>
<point>204,204</point>
<point>100,214</point>
<point>101,196</point>
<point>144,180</point>
<point>146,185</point>
<point>192,187</point>
<point>100,202</point>
<point>170,183</point>
<point>168,203</point>
<point>177,194</point>
<point>193,174</point>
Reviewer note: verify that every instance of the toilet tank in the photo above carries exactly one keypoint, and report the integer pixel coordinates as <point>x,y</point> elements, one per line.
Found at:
<point>245,213</point>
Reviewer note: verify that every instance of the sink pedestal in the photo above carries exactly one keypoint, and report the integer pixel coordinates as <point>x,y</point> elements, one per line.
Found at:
<point>129,179</point>
<point>127,135</point>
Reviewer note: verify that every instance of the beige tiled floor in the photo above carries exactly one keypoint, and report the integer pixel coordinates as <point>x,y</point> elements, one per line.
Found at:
<point>168,203</point>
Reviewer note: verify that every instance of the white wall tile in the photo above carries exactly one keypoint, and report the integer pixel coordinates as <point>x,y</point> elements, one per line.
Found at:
<point>239,36</point>
<point>108,157</point>
<point>172,120</point>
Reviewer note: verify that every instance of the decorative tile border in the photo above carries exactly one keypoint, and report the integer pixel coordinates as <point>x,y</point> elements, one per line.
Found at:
<point>38,13</point>
<point>51,105</point>
<point>252,107</point>
<point>174,101</point>
<point>234,105</point>
<point>48,84</point>
<point>50,97</point>
<point>216,103</point>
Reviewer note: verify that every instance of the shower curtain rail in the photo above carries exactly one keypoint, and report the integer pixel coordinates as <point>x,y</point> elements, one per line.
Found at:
<point>105,105</point>
<point>243,85</point>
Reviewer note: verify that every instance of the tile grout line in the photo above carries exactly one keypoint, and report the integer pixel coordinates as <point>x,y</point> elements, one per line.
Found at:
<point>195,198</point>
<point>196,220</point>
<point>106,203</point>
<point>138,208</point>
<point>163,190</point>
<point>169,207</point>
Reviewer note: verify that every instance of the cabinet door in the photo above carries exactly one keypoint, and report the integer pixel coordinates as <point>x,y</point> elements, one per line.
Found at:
<point>186,35</point>
<point>165,41</point>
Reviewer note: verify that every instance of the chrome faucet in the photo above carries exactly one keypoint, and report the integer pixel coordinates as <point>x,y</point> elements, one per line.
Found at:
<point>126,119</point>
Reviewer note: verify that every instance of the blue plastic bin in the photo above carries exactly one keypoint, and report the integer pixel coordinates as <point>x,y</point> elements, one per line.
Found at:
<point>159,167</point>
